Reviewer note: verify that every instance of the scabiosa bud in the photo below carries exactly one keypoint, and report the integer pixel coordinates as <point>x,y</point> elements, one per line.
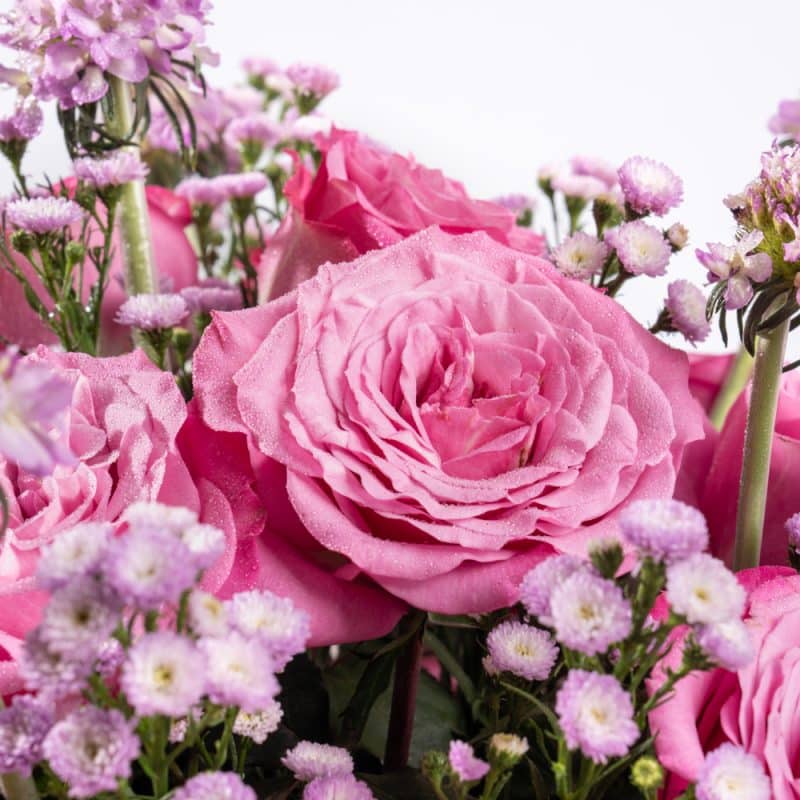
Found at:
<point>258,725</point>
<point>650,187</point>
<point>23,727</point>
<point>606,555</point>
<point>91,749</point>
<point>538,583</point>
<point>731,773</point>
<point>506,749</point>
<point>337,787</point>
<point>151,312</point>
<point>122,166</point>
<point>590,613</point>
<point>581,255</point>
<point>726,643</point>
<point>641,248</point>
<point>309,760</point>
<point>164,674</point>
<point>596,715</point>
<point>678,236</point>
<point>43,214</point>
<point>215,786</point>
<point>73,553</point>
<point>647,774</point>
<point>667,530</point>
<point>686,305</point>
<point>522,650</point>
<point>704,590</point>
<point>465,764</point>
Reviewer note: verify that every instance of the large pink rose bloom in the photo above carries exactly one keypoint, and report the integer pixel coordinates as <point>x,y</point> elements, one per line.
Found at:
<point>124,418</point>
<point>711,470</point>
<point>448,412</point>
<point>363,198</point>
<point>175,259</point>
<point>755,708</point>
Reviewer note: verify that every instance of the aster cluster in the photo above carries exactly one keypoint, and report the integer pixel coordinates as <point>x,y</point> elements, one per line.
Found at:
<point>326,772</point>
<point>131,649</point>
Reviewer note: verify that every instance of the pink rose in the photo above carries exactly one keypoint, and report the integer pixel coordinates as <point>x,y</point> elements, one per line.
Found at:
<point>710,472</point>
<point>124,418</point>
<point>175,259</point>
<point>363,198</point>
<point>755,708</point>
<point>446,412</point>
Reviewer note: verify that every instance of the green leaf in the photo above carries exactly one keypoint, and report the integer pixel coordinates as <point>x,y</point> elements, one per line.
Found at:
<point>405,785</point>
<point>304,697</point>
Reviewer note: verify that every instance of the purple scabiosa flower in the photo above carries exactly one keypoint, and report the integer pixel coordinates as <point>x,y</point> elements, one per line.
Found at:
<point>585,187</point>
<point>258,128</point>
<point>283,628</point>
<point>581,255</point>
<point>516,202</point>
<point>74,553</point>
<point>208,615</point>
<point>464,763</point>
<point>538,583</point>
<point>793,530</point>
<point>215,786</point>
<point>34,407</point>
<point>122,166</point>
<point>737,265</point>
<point>589,613</point>
<point>727,643</point>
<point>786,121</point>
<point>686,305</point>
<point>337,787</point>
<point>596,715</point>
<point>50,673</point>
<point>151,312</point>
<point>258,725</point>
<point>731,773</point>
<point>149,567</point>
<point>239,672</point>
<point>522,650</point>
<point>595,168</point>
<point>649,187</point>
<point>212,295</point>
<point>24,123</point>
<point>23,727</point>
<point>667,530</point>
<point>312,79</point>
<point>43,214</point>
<point>641,248</point>
<point>704,590</point>
<point>91,749</point>
<point>677,235</point>
<point>163,674</point>
<point>202,191</point>
<point>309,760</point>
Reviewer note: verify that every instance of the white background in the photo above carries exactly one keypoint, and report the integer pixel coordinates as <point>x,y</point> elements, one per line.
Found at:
<point>490,90</point>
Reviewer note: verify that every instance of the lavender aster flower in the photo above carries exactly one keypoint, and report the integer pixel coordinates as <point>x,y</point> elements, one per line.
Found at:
<point>677,235</point>
<point>704,590</point>
<point>243,184</point>
<point>522,650</point>
<point>516,202</point>
<point>91,749</point>
<point>585,187</point>
<point>122,166</point>
<point>215,786</point>
<point>164,674</point>
<point>208,615</point>
<point>202,191</point>
<point>727,643</point>
<point>337,787</point>
<point>309,760</point>
<point>23,727</point>
<point>258,725</point>
<point>25,122</point>
<point>589,613</point>
<point>311,79</point>
<point>212,295</point>
<point>257,128</point>
<point>649,187</point>
<point>786,122</point>
<point>686,305</point>
<point>595,168</point>
<point>53,674</point>
<point>150,312</point>
<point>667,530</point>
<point>731,773</point>
<point>205,543</point>
<point>538,584</point>
<point>596,715</point>
<point>260,67</point>
<point>793,530</point>
<point>43,214</point>
<point>464,763</point>
<point>157,515</point>
<point>581,255</point>
<point>641,248</point>
<point>73,553</point>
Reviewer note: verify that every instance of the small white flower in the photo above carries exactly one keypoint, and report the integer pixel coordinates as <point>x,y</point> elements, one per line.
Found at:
<point>704,590</point>
<point>72,553</point>
<point>258,725</point>
<point>208,615</point>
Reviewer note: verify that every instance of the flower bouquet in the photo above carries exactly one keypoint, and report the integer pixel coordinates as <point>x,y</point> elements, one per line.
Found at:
<point>321,479</point>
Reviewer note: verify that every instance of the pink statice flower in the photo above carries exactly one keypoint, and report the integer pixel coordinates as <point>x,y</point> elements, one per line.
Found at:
<point>728,644</point>
<point>73,553</point>
<point>215,786</point>
<point>337,787</point>
<point>702,589</point>
<point>24,122</point>
<point>23,727</point>
<point>731,773</point>
<point>312,79</point>
<point>43,214</point>
<point>150,312</point>
<point>596,715</point>
<point>259,128</point>
<point>686,305</point>
<point>786,121</point>
<point>258,725</point>
<point>538,584</point>
<point>581,255</point>
<point>122,166</point>
<point>310,760</point>
<point>522,650</point>
<point>667,530</point>
<point>649,187</point>
<point>739,266</point>
<point>34,408</point>
<point>641,248</point>
<point>91,749</point>
<point>465,764</point>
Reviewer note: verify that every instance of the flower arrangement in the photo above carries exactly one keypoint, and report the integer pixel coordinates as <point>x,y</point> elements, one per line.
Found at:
<point>321,479</point>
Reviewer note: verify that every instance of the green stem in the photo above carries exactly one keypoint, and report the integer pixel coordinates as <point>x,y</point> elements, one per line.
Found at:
<point>134,220</point>
<point>15,787</point>
<point>735,381</point>
<point>770,348</point>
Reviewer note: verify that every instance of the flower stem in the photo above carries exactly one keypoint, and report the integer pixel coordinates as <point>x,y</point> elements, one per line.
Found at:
<point>770,348</point>
<point>15,787</point>
<point>137,246</point>
<point>735,381</point>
